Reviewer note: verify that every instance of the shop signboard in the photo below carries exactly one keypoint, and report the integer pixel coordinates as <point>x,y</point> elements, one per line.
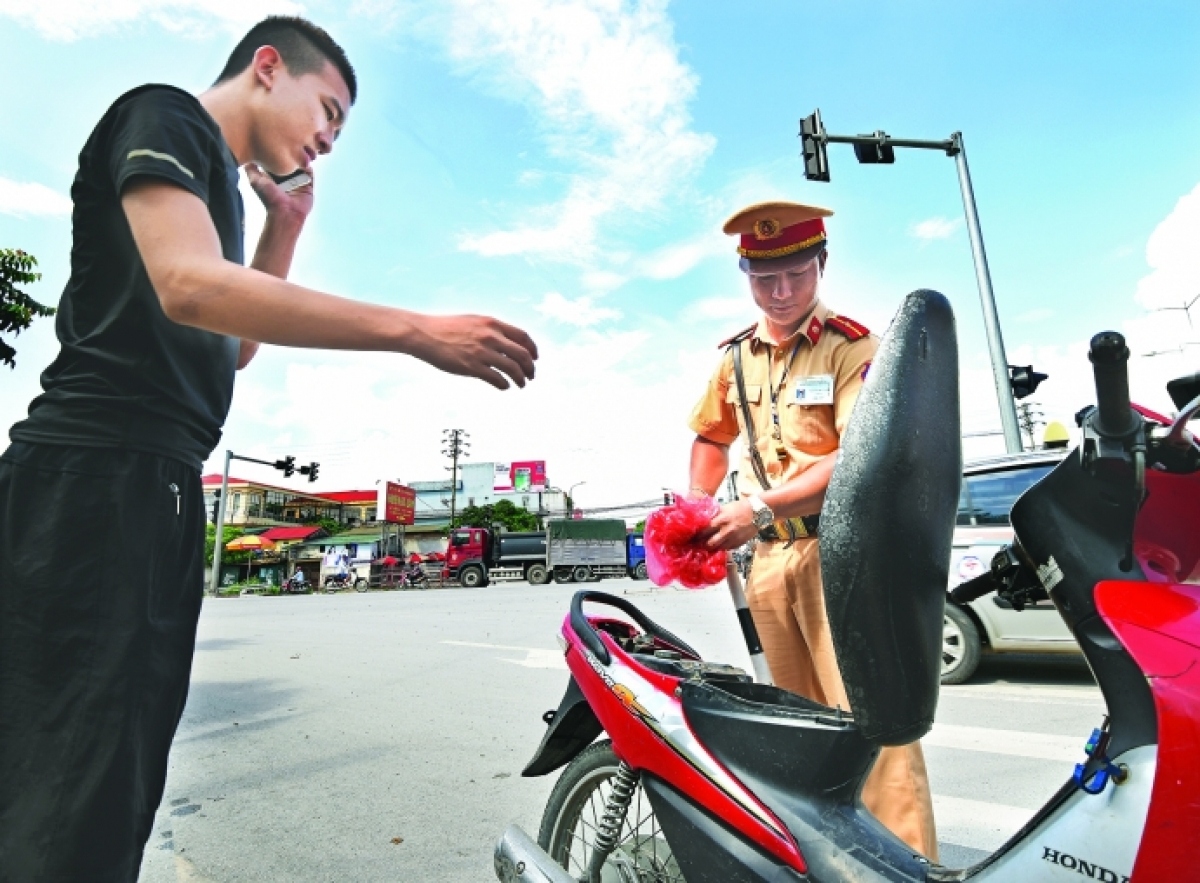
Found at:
<point>399,504</point>
<point>520,477</point>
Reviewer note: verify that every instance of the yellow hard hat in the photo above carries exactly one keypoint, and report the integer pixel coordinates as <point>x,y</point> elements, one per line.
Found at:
<point>1056,436</point>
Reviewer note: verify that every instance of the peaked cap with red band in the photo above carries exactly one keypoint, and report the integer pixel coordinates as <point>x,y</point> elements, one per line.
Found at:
<point>778,231</point>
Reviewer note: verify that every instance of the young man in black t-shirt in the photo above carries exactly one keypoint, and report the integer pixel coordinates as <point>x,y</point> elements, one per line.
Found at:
<point>101,508</point>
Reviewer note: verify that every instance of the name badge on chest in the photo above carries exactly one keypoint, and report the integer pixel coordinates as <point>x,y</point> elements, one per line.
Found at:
<point>815,390</point>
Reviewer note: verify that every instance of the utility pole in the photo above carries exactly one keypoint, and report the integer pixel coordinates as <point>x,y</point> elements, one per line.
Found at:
<point>880,148</point>
<point>287,466</point>
<point>455,445</point>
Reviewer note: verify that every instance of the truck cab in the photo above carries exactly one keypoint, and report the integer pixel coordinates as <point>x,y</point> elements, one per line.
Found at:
<point>635,555</point>
<point>466,556</point>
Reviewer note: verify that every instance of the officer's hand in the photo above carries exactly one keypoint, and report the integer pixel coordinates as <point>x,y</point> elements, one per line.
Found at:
<point>732,527</point>
<point>282,204</point>
<point>476,346</point>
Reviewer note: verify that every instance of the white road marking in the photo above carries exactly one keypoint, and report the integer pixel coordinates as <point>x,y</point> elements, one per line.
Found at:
<point>1046,695</point>
<point>535,657</point>
<point>1014,743</point>
<point>977,823</point>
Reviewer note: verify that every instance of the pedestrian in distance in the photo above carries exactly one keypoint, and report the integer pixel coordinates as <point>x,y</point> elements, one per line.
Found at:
<point>787,385</point>
<point>101,508</point>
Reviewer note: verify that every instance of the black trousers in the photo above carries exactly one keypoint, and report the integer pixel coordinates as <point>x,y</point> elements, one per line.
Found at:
<point>101,573</point>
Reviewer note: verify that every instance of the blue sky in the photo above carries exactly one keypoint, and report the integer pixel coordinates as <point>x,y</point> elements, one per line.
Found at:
<point>566,166</point>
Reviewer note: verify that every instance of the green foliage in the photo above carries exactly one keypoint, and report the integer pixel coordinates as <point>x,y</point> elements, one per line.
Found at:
<point>504,513</point>
<point>17,309</point>
<point>332,527</point>
<point>640,527</point>
<point>227,557</point>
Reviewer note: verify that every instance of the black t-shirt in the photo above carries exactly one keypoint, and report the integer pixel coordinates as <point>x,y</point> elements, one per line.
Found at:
<point>127,376</point>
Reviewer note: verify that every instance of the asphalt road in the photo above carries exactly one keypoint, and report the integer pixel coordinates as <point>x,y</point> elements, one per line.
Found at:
<point>380,736</point>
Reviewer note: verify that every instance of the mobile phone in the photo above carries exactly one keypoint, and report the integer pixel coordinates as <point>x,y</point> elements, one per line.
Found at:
<point>288,183</point>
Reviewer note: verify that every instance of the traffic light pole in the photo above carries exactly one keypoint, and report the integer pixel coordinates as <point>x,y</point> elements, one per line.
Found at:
<point>991,319</point>
<point>816,168</point>
<point>286,465</point>
<point>214,579</point>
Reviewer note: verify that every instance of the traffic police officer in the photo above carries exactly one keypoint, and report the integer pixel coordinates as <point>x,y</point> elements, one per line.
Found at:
<point>801,368</point>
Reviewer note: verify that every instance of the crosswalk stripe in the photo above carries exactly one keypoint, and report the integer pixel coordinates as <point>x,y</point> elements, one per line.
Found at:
<point>977,823</point>
<point>1014,743</point>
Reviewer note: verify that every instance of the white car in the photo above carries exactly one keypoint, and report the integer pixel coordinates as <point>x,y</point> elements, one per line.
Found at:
<point>989,624</point>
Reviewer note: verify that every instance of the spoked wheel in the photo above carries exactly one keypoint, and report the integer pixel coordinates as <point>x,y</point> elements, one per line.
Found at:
<point>572,819</point>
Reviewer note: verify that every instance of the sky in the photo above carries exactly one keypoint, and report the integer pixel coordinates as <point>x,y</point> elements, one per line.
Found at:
<point>566,165</point>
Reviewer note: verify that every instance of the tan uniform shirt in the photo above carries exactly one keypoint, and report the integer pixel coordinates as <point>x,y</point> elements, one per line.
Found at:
<point>814,404</point>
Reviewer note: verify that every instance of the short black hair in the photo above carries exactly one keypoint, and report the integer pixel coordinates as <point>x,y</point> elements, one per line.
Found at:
<point>302,45</point>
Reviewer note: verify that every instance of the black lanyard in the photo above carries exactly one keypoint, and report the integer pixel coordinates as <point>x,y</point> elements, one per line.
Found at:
<point>774,391</point>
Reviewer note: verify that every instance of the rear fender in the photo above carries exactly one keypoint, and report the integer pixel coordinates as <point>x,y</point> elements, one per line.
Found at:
<point>573,728</point>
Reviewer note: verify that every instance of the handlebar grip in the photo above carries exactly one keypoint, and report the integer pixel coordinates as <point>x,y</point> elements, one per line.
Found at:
<point>1110,364</point>
<point>973,588</point>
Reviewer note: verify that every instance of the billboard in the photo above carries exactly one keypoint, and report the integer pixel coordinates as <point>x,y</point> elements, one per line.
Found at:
<point>399,504</point>
<point>520,477</point>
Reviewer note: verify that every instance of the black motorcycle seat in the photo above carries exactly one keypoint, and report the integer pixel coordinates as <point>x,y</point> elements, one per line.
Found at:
<point>807,764</point>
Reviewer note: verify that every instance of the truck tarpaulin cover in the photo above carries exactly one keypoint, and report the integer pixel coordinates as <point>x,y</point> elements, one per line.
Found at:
<point>673,554</point>
<point>588,529</point>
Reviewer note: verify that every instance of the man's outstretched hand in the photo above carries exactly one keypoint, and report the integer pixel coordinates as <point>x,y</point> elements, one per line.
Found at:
<point>476,346</point>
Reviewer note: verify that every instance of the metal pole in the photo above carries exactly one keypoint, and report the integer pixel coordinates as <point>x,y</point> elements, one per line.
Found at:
<point>214,581</point>
<point>991,320</point>
<point>758,659</point>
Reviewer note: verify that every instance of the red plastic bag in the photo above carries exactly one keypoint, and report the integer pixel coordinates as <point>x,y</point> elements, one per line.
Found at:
<point>673,554</point>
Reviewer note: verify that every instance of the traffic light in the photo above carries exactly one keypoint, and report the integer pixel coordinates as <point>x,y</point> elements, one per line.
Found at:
<point>874,154</point>
<point>812,146</point>
<point>1024,380</point>
<point>287,465</point>
<point>310,470</point>
<point>216,504</point>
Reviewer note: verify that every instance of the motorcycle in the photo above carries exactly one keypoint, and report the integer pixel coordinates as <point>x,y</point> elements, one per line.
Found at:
<point>335,582</point>
<point>710,775</point>
<point>412,576</point>
<point>296,584</point>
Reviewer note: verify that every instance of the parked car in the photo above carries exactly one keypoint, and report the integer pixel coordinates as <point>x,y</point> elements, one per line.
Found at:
<point>989,624</point>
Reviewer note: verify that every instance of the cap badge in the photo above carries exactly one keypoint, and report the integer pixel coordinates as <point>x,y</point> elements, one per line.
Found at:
<point>767,228</point>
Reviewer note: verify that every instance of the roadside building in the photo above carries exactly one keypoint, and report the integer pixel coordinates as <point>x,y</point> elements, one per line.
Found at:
<point>254,504</point>
<point>476,487</point>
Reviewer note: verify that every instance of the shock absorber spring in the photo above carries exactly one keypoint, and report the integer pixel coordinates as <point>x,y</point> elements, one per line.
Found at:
<point>608,832</point>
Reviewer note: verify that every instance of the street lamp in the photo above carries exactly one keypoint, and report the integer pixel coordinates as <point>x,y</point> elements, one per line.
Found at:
<point>571,495</point>
<point>879,148</point>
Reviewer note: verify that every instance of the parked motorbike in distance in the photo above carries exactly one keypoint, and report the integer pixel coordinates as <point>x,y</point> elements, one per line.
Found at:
<point>296,584</point>
<point>709,777</point>
<point>336,582</point>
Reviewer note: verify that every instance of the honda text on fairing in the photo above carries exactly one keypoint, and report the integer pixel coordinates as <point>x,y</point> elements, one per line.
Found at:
<point>707,776</point>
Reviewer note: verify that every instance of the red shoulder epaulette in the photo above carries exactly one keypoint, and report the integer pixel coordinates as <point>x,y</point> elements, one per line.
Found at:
<point>851,329</point>
<point>740,336</point>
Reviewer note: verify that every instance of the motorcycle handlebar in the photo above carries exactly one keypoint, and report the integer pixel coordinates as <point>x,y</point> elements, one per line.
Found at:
<point>973,588</point>
<point>1110,365</point>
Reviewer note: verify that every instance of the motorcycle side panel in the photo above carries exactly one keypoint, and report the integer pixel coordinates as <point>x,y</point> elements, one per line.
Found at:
<point>1160,626</point>
<point>648,731</point>
<point>1089,837</point>
<point>706,850</point>
<point>888,522</point>
<point>573,729</point>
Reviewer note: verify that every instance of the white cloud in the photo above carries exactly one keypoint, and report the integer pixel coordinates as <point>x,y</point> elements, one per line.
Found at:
<point>73,19</point>
<point>580,312</point>
<point>680,258</point>
<point>1173,253</point>
<point>606,82</point>
<point>936,228</point>
<point>24,199</point>
<point>725,308</point>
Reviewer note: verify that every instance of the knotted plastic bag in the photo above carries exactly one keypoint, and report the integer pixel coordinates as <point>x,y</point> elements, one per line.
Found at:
<point>673,552</point>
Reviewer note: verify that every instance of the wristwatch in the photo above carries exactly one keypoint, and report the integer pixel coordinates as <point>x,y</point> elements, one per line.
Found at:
<point>763,516</point>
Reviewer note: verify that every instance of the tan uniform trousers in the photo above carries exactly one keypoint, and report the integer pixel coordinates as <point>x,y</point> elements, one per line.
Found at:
<point>788,605</point>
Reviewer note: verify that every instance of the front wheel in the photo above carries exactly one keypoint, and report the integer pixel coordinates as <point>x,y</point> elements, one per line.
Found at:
<point>960,646</point>
<point>470,577</point>
<point>639,572</point>
<point>360,584</point>
<point>568,830</point>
